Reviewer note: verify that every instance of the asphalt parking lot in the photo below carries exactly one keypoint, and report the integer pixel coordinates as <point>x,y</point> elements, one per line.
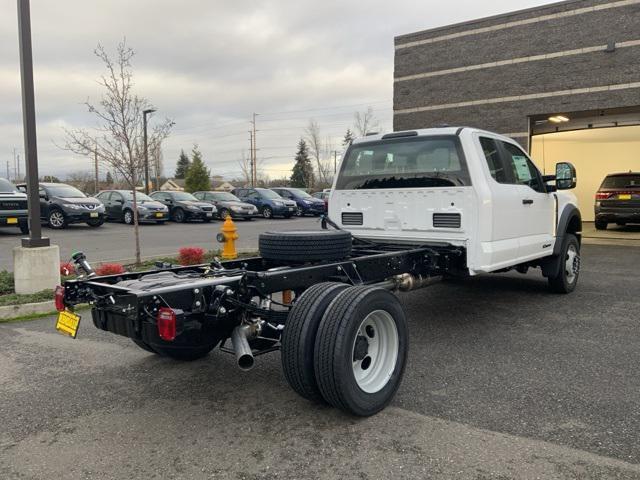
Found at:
<point>110,241</point>
<point>504,381</point>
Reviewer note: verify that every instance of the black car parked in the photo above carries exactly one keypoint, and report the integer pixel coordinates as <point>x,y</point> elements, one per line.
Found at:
<point>306,204</point>
<point>62,205</point>
<point>618,200</point>
<point>13,207</point>
<point>119,206</point>
<point>228,204</point>
<point>183,206</point>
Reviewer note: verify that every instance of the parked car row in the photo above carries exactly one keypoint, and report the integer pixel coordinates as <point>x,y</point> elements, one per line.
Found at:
<point>62,205</point>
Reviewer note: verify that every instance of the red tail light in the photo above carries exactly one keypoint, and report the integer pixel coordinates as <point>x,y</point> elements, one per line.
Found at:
<point>602,195</point>
<point>59,298</point>
<point>167,324</point>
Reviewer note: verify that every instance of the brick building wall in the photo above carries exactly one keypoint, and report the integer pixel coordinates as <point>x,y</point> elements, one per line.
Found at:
<point>496,73</point>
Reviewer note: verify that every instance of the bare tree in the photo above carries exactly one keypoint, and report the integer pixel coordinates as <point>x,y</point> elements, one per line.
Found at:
<point>244,162</point>
<point>365,122</point>
<point>82,180</point>
<point>118,140</point>
<point>319,151</point>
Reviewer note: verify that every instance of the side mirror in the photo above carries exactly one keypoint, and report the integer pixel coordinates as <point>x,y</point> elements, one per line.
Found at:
<point>43,196</point>
<point>120,201</point>
<point>565,176</point>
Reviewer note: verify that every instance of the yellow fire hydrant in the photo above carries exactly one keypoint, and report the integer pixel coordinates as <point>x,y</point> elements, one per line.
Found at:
<point>228,236</point>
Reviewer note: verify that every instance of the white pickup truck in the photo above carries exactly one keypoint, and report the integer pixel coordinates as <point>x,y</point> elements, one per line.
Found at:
<point>408,208</point>
<point>464,187</point>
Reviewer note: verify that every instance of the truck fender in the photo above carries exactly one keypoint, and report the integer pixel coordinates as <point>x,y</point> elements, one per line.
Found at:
<point>570,223</point>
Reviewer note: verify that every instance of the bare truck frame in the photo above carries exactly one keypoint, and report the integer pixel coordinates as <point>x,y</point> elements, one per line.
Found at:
<point>323,314</point>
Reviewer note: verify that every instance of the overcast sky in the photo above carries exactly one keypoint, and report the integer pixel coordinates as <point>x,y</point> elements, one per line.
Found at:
<point>208,64</point>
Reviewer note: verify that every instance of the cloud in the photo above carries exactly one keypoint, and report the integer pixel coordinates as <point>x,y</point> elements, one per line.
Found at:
<point>209,64</point>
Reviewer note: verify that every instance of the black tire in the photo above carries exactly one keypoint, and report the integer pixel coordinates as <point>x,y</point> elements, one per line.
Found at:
<point>601,225</point>
<point>247,219</point>
<point>184,354</point>
<point>207,220</point>
<point>338,341</point>
<point>24,228</point>
<point>57,219</point>
<point>299,212</point>
<point>621,224</point>
<point>127,217</point>
<point>267,212</point>
<point>305,245</point>
<point>161,222</point>
<point>563,281</point>
<point>299,338</point>
<point>143,345</point>
<point>96,222</point>
<point>223,214</point>
<point>288,215</point>
<point>178,215</point>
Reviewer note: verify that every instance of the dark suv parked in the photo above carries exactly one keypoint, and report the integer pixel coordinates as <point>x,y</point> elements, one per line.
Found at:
<point>618,200</point>
<point>119,206</point>
<point>13,207</point>
<point>62,205</point>
<point>228,204</point>
<point>268,202</point>
<point>306,204</point>
<point>183,206</point>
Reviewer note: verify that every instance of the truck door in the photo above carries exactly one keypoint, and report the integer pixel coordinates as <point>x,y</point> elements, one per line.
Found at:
<point>536,207</point>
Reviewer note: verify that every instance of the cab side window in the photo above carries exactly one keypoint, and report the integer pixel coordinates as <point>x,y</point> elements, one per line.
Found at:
<point>523,170</point>
<point>494,161</point>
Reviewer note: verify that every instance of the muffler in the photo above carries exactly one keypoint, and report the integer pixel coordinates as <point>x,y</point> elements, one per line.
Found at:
<point>240,341</point>
<point>408,282</point>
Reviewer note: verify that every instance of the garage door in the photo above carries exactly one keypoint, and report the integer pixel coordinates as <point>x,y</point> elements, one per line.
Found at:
<point>594,152</point>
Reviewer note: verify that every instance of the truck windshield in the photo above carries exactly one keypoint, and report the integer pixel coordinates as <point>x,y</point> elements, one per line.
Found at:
<point>7,187</point>
<point>404,163</point>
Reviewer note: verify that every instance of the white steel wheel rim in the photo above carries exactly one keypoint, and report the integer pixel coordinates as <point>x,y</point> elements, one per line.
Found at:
<point>572,264</point>
<point>56,219</point>
<point>373,370</point>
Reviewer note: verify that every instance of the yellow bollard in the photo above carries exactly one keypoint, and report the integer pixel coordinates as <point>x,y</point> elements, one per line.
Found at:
<point>229,236</point>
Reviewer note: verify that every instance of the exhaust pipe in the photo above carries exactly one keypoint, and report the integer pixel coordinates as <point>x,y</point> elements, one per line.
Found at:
<point>408,282</point>
<point>239,340</point>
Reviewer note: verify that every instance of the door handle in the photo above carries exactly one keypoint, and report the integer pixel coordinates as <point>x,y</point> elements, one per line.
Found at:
<point>527,201</point>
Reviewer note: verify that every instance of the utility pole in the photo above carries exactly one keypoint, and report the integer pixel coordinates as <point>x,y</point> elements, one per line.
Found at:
<point>8,178</point>
<point>15,166</point>
<point>335,162</point>
<point>18,177</point>
<point>251,158</point>
<point>254,170</point>
<point>95,158</point>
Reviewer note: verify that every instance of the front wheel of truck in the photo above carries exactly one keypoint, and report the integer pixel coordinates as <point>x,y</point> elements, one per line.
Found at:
<point>568,271</point>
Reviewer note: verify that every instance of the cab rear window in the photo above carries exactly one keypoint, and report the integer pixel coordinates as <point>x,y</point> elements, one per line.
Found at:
<point>404,163</point>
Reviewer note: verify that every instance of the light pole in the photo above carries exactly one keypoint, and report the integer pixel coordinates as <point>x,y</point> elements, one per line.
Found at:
<point>146,150</point>
<point>29,120</point>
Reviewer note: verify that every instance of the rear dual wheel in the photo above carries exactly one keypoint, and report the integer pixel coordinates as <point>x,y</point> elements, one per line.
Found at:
<point>359,351</point>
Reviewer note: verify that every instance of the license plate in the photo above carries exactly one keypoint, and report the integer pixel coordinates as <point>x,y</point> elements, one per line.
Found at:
<point>624,196</point>
<point>93,214</point>
<point>68,323</point>
<point>12,221</point>
<point>209,214</point>
<point>159,215</point>
<point>291,209</point>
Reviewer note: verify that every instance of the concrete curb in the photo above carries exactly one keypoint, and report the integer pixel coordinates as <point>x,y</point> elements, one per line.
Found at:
<point>10,312</point>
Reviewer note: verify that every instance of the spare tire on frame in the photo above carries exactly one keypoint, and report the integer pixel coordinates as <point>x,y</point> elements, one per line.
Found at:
<point>305,245</point>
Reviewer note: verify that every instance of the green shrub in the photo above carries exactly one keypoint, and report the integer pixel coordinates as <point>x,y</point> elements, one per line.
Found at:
<point>6,282</point>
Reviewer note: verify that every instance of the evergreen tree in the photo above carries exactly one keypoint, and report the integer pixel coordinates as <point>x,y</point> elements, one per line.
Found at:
<point>302,172</point>
<point>198,174</point>
<point>182,167</point>
<point>109,179</point>
<point>348,138</point>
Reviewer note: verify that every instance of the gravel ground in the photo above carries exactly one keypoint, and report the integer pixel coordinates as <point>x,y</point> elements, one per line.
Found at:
<point>504,381</point>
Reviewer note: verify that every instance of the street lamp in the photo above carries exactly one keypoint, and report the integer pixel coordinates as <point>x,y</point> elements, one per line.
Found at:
<point>146,150</point>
